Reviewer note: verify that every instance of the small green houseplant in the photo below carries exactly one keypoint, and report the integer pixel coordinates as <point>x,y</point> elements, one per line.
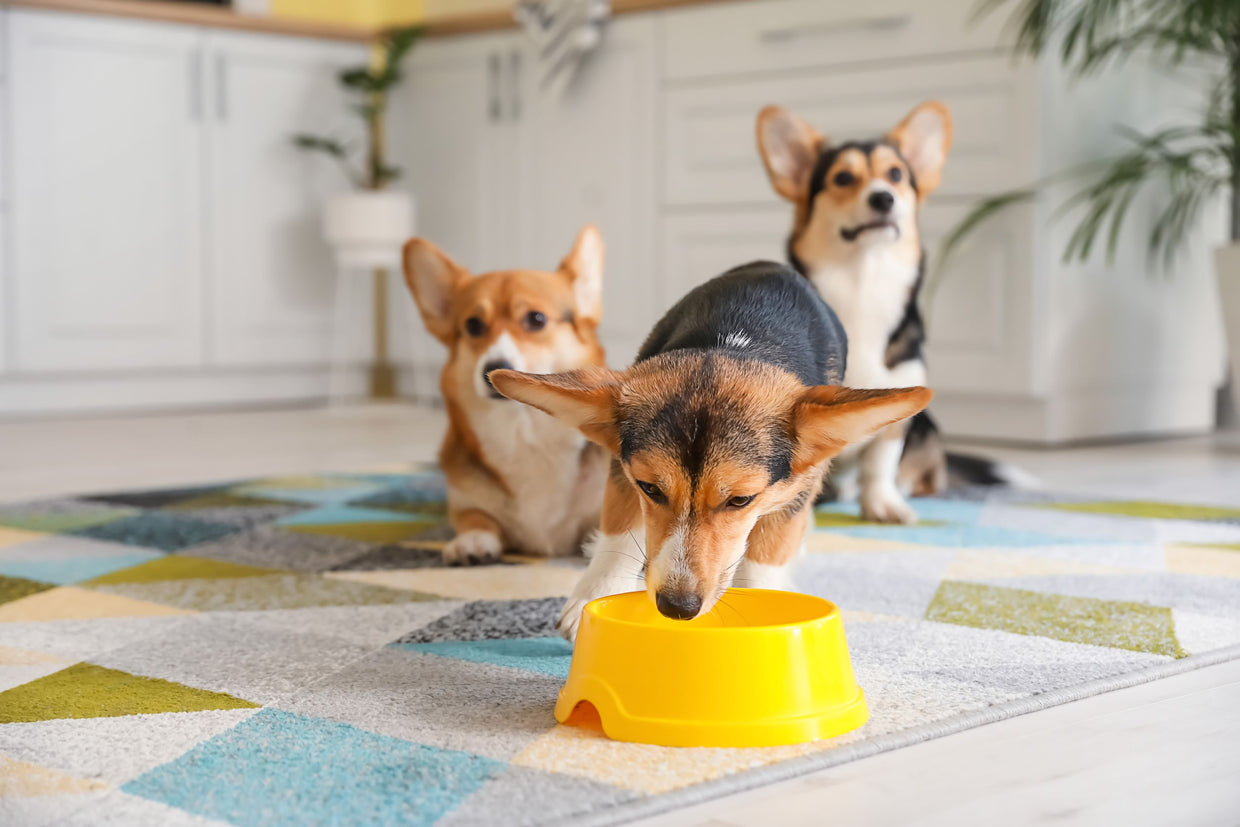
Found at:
<point>1190,165</point>
<point>367,227</point>
<point>370,85</point>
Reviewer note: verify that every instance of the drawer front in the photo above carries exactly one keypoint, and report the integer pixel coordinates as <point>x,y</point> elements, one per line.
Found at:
<point>711,149</point>
<point>778,35</point>
<point>978,308</point>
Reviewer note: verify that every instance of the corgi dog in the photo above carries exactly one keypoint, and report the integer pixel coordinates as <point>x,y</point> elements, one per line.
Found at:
<point>517,479</point>
<point>719,435</point>
<point>856,238</point>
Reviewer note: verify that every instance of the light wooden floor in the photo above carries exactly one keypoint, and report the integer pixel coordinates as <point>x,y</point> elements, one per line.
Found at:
<point>1165,753</point>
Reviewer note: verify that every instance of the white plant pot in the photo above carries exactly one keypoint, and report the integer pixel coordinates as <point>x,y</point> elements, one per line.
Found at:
<point>1227,268</point>
<point>367,229</point>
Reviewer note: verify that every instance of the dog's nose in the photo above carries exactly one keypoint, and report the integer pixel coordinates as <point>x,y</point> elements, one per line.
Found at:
<point>678,605</point>
<point>882,201</point>
<point>497,364</point>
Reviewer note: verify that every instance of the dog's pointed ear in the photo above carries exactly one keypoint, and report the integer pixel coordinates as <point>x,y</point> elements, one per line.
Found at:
<point>789,148</point>
<point>828,418</point>
<point>924,138</point>
<point>433,278</point>
<point>584,399</point>
<point>584,266</point>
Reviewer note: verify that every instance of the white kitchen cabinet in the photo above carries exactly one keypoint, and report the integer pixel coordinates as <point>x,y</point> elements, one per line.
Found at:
<point>271,274</point>
<point>745,39</point>
<point>106,183</point>
<point>711,147</point>
<point>506,172</point>
<point>454,134</point>
<point>699,246</point>
<point>4,194</point>
<point>589,156</point>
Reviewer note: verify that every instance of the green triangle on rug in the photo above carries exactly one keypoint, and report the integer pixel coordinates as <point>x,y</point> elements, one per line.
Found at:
<point>377,532</point>
<point>15,588</point>
<point>1149,510</point>
<point>1118,624</point>
<point>223,499</point>
<point>88,691</point>
<point>838,519</point>
<point>180,567</point>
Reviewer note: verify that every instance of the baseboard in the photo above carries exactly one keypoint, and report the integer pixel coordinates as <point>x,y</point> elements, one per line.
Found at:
<point>1071,416</point>
<point>121,393</point>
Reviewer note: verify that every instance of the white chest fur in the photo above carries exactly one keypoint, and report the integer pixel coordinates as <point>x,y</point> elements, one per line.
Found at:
<point>869,291</point>
<point>540,461</point>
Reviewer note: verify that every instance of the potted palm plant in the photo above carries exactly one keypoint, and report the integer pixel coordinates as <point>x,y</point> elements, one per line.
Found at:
<point>365,224</point>
<point>1193,164</point>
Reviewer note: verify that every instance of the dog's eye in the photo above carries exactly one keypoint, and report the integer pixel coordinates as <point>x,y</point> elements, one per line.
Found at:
<point>894,175</point>
<point>740,502</point>
<point>652,491</point>
<point>844,179</point>
<point>475,327</point>
<point>535,320</point>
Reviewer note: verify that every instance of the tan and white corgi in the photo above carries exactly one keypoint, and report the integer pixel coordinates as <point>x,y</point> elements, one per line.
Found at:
<point>517,479</point>
<point>855,236</point>
<point>719,435</point>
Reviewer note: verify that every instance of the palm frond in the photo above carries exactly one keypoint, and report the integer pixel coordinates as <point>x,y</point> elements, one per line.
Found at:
<point>980,214</point>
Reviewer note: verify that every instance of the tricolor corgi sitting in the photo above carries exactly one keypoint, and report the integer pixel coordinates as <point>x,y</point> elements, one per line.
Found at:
<point>517,479</point>
<point>719,433</point>
<point>855,236</point>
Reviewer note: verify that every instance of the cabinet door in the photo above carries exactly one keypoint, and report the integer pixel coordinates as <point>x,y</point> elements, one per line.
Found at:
<point>271,273</point>
<point>106,183</point>
<point>701,245</point>
<point>5,304</point>
<point>452,131</point>
<point>712,155</point>
<point>589,156</point>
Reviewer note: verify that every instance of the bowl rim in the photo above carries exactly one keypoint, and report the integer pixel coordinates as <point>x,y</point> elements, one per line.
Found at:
<point>831,610</point>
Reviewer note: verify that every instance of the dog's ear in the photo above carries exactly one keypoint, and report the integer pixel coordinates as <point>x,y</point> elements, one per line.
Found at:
<point>828,418</point>
<point>924,138</point>
<point>789,148</point>
<point>433,278</point>
<point>584,399</point>
<point>584,266</point>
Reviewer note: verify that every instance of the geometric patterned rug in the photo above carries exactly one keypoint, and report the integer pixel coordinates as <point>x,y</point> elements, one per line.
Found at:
<point>292,651</point>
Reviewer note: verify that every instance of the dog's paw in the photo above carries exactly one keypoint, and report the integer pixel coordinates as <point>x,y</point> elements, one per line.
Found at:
<point>884,506</point>
<point>570,618</point>
<point>473,547</point>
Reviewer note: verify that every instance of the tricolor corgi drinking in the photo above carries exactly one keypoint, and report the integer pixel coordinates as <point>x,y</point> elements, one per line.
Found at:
<point>517,479</point>
<point>855,236</point>
<point>719,435</point>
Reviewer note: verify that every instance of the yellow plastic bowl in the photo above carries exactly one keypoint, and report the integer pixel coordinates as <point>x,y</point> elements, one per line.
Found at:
<point>763,668</point>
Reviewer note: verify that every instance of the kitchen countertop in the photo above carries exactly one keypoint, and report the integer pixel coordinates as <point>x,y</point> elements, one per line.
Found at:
<point>199,14</point>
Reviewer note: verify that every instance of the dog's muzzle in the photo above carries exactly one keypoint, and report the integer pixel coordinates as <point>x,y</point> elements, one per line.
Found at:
<point>498,364</point>
<point>851,233</point>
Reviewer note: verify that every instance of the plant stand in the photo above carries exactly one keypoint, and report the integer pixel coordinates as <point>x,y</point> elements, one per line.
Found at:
<point>367,231</point>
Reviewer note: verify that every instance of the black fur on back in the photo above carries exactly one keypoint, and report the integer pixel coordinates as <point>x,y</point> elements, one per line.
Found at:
<point>777,312</point>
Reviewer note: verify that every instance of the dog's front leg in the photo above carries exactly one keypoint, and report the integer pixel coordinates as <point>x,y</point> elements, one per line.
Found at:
<point>617,552</point>
<point>881,500</point>
<point>774,544</point>
<point>478,538</point>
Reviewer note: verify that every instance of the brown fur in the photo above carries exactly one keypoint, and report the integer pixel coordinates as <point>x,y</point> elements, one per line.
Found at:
<point>867,264</point>
<point>541,498</point>
<point>696,512</point>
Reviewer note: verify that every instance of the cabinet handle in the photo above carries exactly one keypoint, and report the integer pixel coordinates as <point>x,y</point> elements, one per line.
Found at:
<point>864,24</point>
<point>493,83</point>
<point>221,88</point>
<point>195,85</point>
<point>514,77</point>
